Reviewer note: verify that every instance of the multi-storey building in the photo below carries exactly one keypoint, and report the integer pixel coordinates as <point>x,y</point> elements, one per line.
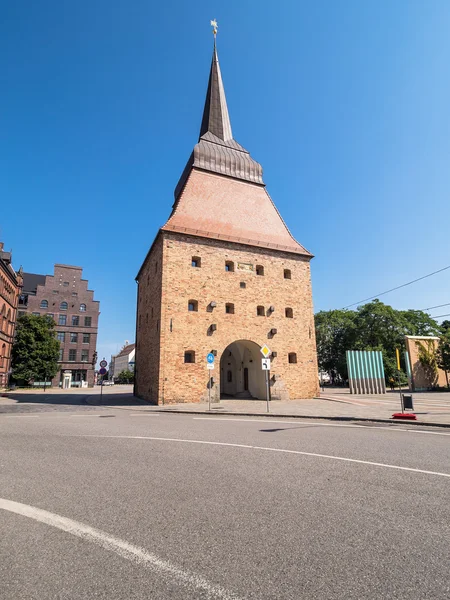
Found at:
<point>66,298</point>
<point>10,285</point>
<point>224,276</point>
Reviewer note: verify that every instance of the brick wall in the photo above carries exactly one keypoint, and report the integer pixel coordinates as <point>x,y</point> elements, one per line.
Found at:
<point>183,331</point>
<point>148,325</point>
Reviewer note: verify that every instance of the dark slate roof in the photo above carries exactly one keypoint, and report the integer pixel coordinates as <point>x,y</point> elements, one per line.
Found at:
<point>31,281</point>
<point>216,150</point>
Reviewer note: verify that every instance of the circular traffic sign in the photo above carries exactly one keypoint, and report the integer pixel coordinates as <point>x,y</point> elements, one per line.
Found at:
<point>210,358</point>
<point>102,371</point>
<point>103,363</point>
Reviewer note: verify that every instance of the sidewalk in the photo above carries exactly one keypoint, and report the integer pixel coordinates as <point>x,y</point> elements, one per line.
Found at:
<point>430,408</point>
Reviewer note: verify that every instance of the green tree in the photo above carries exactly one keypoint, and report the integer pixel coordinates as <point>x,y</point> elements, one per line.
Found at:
<point>36,350</point>
<point>443,353</point>
<point>125,377</point>
<point>373,326</point>
<point>335,332</point>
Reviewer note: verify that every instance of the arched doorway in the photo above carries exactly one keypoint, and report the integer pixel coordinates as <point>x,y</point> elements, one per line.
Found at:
<point>241,375</point>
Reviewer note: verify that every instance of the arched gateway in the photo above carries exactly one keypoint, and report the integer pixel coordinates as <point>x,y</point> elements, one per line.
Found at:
<point>241,375</point>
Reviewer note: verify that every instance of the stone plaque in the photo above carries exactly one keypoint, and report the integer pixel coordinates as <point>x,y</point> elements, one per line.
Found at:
<point>245,267</point>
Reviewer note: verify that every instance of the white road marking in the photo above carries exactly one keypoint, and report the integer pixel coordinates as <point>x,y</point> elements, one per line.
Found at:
<point>85,415</point>
<point>22,416</point>
<point>371,427</point>
<point>124,549</point>
<point>143,415</point>
<point>298,452</point>
<point>269,420</point>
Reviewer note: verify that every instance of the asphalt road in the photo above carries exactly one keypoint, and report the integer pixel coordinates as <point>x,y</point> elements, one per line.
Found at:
<point>123,504</point>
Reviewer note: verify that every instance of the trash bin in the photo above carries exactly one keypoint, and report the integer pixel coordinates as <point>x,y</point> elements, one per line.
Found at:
<point>407,402</point>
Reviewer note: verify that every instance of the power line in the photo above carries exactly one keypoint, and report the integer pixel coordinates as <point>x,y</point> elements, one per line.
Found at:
<point>439,316</point>
<point>397,288</point>
<point>438,306</point>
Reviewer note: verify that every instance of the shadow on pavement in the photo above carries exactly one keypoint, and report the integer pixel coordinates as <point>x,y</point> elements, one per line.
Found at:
<point>75,399</point>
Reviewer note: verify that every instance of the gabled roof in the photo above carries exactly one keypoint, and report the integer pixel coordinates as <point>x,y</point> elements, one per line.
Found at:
<point>221,193</point>
<point>126,350</point>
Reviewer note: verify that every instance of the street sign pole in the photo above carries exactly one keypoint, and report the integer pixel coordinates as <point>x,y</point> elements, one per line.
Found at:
<point>267,390</point>
<point>210,358</point>
<point>209,385</point>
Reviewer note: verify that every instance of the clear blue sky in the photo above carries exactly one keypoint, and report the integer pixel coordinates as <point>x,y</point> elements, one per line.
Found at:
<point>345,104</point>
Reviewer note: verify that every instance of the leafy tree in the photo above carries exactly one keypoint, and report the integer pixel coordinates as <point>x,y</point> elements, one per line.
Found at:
<point>373,326</point>
<point>443,353</point>
<point>36,350</point>
<point>125,377</point>
<point>334,334</point>
<point>445,325</point>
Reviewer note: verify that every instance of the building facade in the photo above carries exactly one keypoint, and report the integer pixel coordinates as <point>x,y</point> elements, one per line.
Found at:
<point>123,361</point>
<point>65,297</point>
<point>10,286</point>
<point>224,275</point>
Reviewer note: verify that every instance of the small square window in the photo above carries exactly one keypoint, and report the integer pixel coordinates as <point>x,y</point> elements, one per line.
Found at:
<point>36,314</point>
<point>260,311</point>
<point>259,270</point>
<point>84,355</point>
<point>192,306</point>
<point>86,338</point>
<point>196,261</point>
<point>61,336</point>
<point>74,338</point>
<point>292,356</point>
<point>229,309</point>
<point>289,313</point>
<point>189,357</point>
<point>87,321</point>
<point>66,284</point>
<point>62,319</point>
<point>75,320</point>
<point>243,284</point>
<point>229,266</point>
<point>287,274</point>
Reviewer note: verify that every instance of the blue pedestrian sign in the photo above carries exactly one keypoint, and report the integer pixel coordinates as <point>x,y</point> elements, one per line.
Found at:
<point>210,358</point>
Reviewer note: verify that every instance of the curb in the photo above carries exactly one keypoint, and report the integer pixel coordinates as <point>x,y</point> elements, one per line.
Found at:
<point>272,415</point>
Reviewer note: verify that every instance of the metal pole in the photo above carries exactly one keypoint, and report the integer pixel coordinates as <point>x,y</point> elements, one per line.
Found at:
<point>400,391</point>
<point>209,385</point>
<point>101,387</point>
<point>267,390</point>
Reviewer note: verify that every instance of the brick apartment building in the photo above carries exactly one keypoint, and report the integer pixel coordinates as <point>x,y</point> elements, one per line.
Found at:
<point>224,275</point>
<point>66,298</point>
<point>10,286</point>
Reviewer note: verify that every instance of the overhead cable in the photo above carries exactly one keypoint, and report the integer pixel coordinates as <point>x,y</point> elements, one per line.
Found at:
<point>396,288</point>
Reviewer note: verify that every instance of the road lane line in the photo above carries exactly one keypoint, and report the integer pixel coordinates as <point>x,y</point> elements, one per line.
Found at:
<point>85,415</point>
<point>270,420</point>
<point>392,427</point>
<point>124,549</point>
<point>143,415</point>
<point>264,448</point>
<point>22,416</point>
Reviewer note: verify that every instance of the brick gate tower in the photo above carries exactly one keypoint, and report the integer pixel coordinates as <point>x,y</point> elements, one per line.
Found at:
<point>224,275</point>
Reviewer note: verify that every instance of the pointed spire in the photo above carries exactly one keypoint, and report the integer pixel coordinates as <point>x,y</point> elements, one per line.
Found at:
<point>215,114</point>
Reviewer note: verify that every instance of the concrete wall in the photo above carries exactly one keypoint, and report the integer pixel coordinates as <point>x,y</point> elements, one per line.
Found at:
<point>423,378</point>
